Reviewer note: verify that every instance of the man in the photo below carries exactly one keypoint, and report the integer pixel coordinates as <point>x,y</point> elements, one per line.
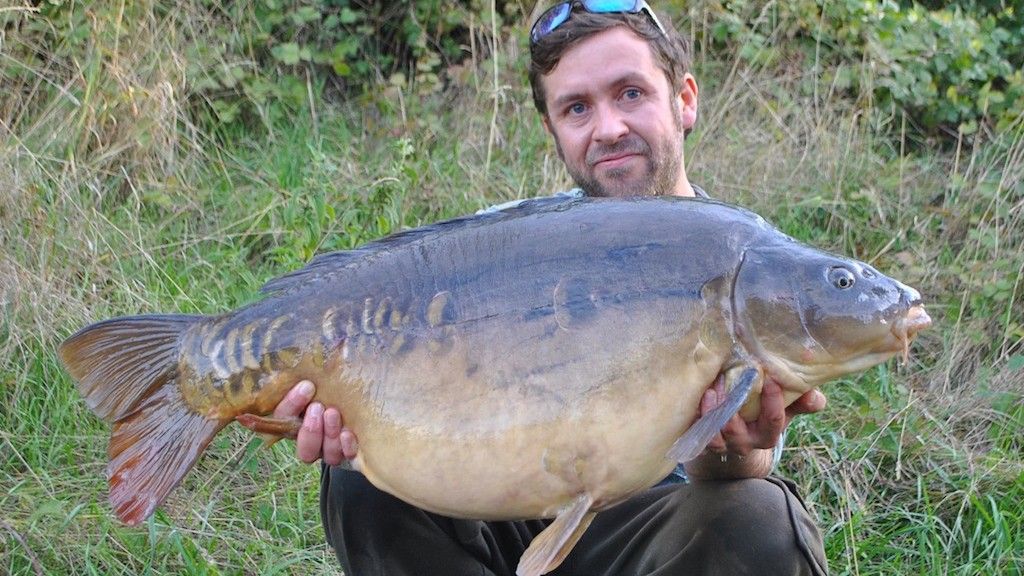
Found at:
<point>613,89</point>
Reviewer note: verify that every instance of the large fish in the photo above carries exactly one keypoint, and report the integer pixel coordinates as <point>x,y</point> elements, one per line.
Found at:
<point>544,361</point>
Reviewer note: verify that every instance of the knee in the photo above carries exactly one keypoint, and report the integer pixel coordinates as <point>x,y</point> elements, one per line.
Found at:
<point>738,506</point>
<point>757,524</point>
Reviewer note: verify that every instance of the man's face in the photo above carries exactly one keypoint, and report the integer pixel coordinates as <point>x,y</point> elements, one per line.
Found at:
<point>616,122</point>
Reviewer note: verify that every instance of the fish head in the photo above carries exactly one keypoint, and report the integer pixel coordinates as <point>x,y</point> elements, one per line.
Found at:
<point>811,316</point>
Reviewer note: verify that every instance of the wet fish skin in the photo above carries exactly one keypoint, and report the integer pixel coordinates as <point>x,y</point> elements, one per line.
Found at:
<point>817,312</point>
<point>543,360</point>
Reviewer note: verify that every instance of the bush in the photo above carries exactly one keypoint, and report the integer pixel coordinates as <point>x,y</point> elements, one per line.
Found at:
<point>251,59</point>
<point>279,51</point>
<point>291,52</point>
<point>951,67</point>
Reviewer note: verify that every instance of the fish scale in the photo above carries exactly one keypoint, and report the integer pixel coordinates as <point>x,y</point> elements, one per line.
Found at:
<point>543,361</point>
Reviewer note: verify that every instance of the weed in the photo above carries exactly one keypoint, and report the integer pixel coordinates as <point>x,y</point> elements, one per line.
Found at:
<point>114,200</point>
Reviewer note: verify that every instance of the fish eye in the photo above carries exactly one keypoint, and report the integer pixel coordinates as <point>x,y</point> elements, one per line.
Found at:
<point>841,278</point>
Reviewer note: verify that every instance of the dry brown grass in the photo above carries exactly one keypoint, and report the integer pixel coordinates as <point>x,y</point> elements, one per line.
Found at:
<point>113,201</point>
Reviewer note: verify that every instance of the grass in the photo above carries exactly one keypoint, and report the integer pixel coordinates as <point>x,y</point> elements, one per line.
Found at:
<point>112,201</point>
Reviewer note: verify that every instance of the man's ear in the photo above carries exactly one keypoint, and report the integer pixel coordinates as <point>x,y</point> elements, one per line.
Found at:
<point>547,124</point>
<point>688,100</point>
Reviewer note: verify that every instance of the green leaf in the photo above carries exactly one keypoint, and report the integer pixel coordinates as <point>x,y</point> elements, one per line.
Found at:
<point>969,127</point>
<point>1016,362</point>
<point>341,68</point>
<point>226,112</point>
<point>304,15</point>
<point>348,16</point>
<point>286,53</point>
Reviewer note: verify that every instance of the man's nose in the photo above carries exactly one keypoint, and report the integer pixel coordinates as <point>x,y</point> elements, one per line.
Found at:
<point>610,124</point>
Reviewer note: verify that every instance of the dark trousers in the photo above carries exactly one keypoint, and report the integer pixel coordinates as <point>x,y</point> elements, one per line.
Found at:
<point>757,526</point>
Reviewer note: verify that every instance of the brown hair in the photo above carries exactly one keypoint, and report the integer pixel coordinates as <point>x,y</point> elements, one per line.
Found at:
<point>671,53</point>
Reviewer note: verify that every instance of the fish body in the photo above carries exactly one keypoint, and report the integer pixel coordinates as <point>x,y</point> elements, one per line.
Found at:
<point>544,361</point>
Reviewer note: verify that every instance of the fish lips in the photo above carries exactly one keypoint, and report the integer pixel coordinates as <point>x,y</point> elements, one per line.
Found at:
<point>906,328</point>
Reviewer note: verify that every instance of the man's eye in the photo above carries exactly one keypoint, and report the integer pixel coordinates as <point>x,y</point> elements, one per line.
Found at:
<point>577,109</point>
<point>631,94</point>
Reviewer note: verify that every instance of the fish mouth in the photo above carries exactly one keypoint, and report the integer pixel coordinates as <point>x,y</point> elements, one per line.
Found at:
<point>803,375</point>
<point>908,326</point>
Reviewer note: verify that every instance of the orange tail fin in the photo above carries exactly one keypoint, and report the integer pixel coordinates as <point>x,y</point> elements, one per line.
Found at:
<point>127,370</point>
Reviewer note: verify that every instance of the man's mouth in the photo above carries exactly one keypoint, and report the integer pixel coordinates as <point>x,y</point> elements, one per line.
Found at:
<point>615,161</point>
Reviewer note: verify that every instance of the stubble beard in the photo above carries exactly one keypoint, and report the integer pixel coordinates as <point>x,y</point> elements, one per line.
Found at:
<point>660,177</point>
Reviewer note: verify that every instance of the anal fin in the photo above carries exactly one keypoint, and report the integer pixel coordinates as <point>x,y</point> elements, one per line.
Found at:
<point>553,544</point>
<point>269,428</point>
<point>697,436</point>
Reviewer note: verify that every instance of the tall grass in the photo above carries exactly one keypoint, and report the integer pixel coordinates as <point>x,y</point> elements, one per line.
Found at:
<point>114,201</point>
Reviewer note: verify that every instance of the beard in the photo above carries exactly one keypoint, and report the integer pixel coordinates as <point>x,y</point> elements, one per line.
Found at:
<point>660,176</point>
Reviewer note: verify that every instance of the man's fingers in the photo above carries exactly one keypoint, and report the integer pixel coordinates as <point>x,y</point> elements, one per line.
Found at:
<point>719,386</point>
<point>349,446</point>
<point>717,444</point>
<point>309,442</point>
<point>772,419</point>
<point>321,434</point>
<point>736,435</point>
<point>709,402</point>
<point>741,437</point>
<point>332,451</point>
<point>810,402</point>
<point>296,400</point>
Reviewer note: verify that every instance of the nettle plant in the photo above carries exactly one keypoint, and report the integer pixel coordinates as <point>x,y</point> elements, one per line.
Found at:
<point>951,67</point>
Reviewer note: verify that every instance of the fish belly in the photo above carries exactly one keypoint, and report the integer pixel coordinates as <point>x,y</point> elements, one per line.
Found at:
<point>610,448</point>
<point>474,430</point>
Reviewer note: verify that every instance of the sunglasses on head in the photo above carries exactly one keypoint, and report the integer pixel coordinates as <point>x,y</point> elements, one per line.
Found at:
<point>558,14</point>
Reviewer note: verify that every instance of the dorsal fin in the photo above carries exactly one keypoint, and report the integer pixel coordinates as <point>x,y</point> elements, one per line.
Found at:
<point>324,265</point>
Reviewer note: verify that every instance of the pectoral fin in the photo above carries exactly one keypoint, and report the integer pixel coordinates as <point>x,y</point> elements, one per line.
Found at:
<point>554,543</point>
<point>697,436</point>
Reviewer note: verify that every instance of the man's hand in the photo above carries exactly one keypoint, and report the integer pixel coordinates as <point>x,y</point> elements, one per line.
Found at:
<point>321,435</point>
<point>740,437</point>
<point>743,449</point>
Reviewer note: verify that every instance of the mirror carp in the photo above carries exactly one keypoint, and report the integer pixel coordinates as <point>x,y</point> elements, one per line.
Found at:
<point>544,361</point>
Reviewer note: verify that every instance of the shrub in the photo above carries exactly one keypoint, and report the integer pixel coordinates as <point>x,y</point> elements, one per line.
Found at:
<point>292,52</point>
<point>951,67</point>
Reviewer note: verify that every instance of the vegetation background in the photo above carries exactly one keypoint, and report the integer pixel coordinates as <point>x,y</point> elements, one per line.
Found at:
<point>173,156</point>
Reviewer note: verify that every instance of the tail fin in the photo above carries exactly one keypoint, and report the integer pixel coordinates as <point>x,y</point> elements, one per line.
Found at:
<point>127,370</point>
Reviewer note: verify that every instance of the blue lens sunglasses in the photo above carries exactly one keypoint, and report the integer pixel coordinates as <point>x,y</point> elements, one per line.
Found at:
<point>558,14</point>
